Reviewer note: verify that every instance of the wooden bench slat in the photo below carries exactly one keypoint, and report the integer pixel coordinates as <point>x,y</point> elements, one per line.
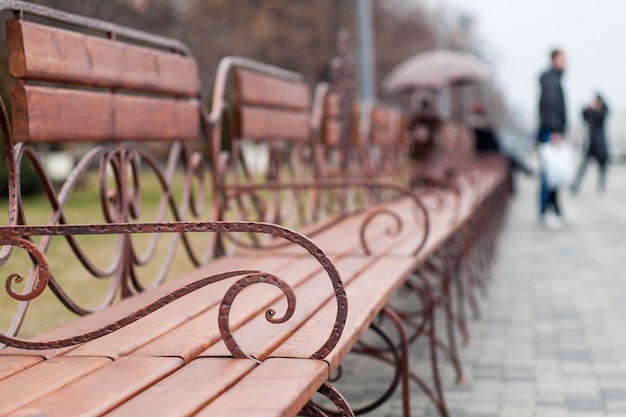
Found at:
<point>106,388</point>
<point>332,133</point>
<point>332,107</point>
<point>257,336</point>
<point>196,335</point>
<point>10,365</point>
<point>334,239</point>
<point>366,294</point>
<point>135,335</point>
<point>298,380</point>
<point>44,114</point>
<point>52,54</point>
<point>268,123</point>
<point>188,389</point>
<point>43,379</point>
<point>257,89</point>
<point>129,305</point>
<point>138,334</point>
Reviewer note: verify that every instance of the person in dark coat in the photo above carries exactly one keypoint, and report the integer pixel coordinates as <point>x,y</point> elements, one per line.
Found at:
<point>487,141</point>
<point>552,126</point>
<point>594,115</point>
<point>424,125</point>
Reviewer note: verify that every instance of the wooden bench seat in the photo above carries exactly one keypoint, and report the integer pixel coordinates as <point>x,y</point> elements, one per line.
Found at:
<point>368,277</point>
<point>176,340</point>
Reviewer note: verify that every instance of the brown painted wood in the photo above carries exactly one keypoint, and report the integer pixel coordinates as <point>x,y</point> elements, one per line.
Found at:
<point>367,295</point>
<point>276,388</point>
<point>10,365</point>
<point>130,305</point>
<point>382,132</point>
<point>259,338</point>
<point>332,133</point>
<point>257,89</point>
<point>188,389</point>
<point>331,105</point>
<point>271,124</point>
<point>50,54</point>
<point>190,339</point>
<point>43,379</point>
<point>42,114</point>
<point>142,332</point>
<point>103,390</point>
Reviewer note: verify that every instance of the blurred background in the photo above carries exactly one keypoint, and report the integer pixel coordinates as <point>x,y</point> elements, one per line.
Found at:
<point>514,38</point>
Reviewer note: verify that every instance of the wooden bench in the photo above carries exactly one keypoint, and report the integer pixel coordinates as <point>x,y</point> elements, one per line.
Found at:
<point>206,343</point>
<point>248,78</point>
<point>121,91</point>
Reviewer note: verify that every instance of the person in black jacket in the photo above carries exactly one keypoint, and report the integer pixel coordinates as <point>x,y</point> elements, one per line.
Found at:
<point>552,125</point>
<point>594,115</point>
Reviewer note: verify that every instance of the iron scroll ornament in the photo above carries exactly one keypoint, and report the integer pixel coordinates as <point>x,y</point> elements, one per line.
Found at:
<point>367,184</point>
<point>18,236</point>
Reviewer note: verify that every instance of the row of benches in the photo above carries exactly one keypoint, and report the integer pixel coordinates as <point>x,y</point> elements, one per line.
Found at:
<point>287,208</point>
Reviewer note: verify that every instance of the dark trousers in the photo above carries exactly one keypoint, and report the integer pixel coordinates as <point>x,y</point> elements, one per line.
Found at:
<point>548,198</point>
<point>581,173</point>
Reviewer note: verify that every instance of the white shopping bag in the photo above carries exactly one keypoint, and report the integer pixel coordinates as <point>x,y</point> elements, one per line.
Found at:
<point>557,162</point>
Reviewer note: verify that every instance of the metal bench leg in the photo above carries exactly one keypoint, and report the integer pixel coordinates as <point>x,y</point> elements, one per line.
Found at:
<point>343,408</point>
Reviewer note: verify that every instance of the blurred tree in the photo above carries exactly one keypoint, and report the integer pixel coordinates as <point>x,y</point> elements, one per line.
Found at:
<point>299,35</point>
<point>402,29</point>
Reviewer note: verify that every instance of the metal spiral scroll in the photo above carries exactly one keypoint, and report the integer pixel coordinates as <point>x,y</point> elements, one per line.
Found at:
<point>235,289</point>
<point>327,185</point>
<point>390,231</point>
<point>16,235</point>
<point>40,262</point>
<point>407,192</point>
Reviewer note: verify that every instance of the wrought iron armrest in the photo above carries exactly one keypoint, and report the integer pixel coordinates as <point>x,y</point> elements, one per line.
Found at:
<point>351,184</point>
<point>19,236</point>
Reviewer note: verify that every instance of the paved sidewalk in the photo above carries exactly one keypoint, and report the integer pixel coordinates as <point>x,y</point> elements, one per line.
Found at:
<point>552,339</point>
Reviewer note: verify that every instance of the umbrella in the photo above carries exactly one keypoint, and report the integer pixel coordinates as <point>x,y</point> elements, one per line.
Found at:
<point>436,69</point>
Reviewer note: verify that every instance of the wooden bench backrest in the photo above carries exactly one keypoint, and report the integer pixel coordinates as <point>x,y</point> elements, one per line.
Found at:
<point>326,116</point>
<point>382,135</point>
<point>120,95</point>
<point>134,92</point>
<point>456,141</point>
<point>387,126</point>
<point>268,107</point>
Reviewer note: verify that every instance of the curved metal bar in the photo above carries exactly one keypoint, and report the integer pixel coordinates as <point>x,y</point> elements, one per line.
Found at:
<point>197,170</point>
<point>312,410</point>
<point>231,294</point>
<point>13,188</point>
<point>391,354</point>
<point>131,318</point>
<point>404,359</point>
<point>58,202</point>
<point>39,259</point>
<point>389,232</point>
<point>178,213</point>
<point>405,191</point>
<point>99,25</point>
<point>191,227</point>
<point>378,353</point>
<point>343,408</point>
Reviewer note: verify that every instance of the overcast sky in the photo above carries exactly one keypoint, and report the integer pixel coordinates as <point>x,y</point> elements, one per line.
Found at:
<point>518,36</point>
